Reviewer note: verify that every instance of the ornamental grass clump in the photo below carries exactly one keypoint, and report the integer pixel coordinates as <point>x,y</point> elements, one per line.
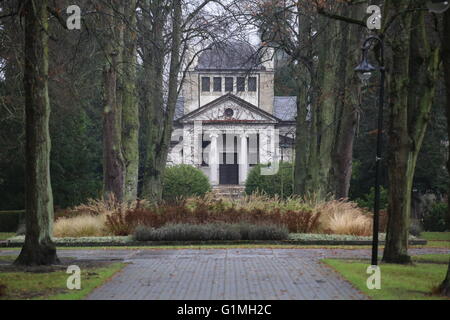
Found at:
<point>343,217</point>
<point>81,226</point>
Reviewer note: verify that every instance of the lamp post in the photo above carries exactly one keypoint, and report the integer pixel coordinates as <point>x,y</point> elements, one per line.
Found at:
<point>365,71</point>
<point>438,6</point>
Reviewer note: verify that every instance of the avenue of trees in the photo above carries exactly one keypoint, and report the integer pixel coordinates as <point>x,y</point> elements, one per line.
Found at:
<point>88,113</point>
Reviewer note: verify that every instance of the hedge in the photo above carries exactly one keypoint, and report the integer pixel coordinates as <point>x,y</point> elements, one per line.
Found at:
<point>183,181</point>
<point>10,220</point>
<point>280,184</point>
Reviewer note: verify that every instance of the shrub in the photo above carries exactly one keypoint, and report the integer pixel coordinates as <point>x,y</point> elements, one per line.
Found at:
<point>435,219</point>
<point>184,181</point>
<point>367,200</point>
<point>210,211</point>
<point>100,207</point>
<point>280,184</point>
<point>208,232</point>
<point>81,226</point>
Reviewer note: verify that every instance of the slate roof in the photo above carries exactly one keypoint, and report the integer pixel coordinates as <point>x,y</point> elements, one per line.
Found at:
<point>285,108</point>
<point>232,55</point>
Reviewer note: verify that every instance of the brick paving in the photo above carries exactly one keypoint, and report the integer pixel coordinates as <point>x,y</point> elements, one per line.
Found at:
<point>225,274</point>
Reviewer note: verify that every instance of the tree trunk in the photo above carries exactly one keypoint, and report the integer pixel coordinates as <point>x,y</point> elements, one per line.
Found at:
<point>38,248</point>
<point>130,106</point>
<point>113,163</point>
<point>305,81</point>
<point>346,108</point>
<point>444,288</point>
<point>414,57</point>
<point>323,153</point>
<point>446,63</point>
<point>160,118</point>
<point>155,18</point>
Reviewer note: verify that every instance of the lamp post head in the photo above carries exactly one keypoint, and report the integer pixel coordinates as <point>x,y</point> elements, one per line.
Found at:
<point>438,6</point>
<point>365,69</point>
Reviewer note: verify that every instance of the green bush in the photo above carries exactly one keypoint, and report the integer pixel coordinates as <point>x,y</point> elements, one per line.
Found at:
<point>208,232</point>
<point>435,219</point>
<point>184,181</point>
<point>280,184</point>
<point>10,220</point>
<point>367,200</point>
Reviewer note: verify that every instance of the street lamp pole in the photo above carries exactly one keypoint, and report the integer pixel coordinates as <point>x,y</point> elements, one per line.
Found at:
<point>365,70</point>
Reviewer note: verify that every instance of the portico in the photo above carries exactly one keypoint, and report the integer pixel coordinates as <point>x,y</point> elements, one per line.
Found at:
<point>229,119</point>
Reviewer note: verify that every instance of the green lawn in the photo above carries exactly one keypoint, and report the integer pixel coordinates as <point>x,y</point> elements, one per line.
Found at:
<point>432,258</point>
<point>52,285</point>
<point>435,236</point>
<point>6,235</point>
<point>398,282</point>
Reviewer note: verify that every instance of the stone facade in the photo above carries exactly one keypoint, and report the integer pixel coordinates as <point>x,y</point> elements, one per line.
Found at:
<point>228,119</point>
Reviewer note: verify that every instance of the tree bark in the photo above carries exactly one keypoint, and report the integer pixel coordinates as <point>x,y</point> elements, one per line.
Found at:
<point>444,288</point>
<point>113,163</point>
<point>347,105</point>
<point>38,248</point>
<point>130,106</point>
<point>414,57</point>
<point>326,110</point>
<point>155,17</point>
<point>160,118</point>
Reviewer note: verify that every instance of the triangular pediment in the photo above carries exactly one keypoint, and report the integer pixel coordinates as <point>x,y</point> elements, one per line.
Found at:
<point>229,108</point>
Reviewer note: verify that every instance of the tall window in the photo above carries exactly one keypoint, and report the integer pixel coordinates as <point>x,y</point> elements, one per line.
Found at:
<point>206,84</point>
<point>252,84</point>
<point>240,84</point>
<point>229,84</point>
<point>217,84</point>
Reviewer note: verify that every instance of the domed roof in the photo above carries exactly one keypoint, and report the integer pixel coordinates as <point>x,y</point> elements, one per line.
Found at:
<point>233,55</point>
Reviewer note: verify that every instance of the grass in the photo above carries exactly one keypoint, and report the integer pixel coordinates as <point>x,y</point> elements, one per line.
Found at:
<point>6,235</point>
<point>432,258</point>
<point>398,282</point>
<point>80,226</point>
<point>52,285</point>
<point>435,236</point>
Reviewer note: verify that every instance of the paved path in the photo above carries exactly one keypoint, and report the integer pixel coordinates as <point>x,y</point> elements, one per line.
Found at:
<point>229,274</point>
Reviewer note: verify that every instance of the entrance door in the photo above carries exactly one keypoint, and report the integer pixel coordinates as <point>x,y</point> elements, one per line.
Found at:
<point>229,172</point>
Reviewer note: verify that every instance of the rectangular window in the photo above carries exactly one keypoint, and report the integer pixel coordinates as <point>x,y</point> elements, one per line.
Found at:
<point>252,84</point>
<point>229,84</point>
<point>218,84</point>
<point>240,84</point>
<point>206,84</point>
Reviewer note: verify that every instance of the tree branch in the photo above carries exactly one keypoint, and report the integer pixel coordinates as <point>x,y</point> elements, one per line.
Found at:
<point>322,12</point>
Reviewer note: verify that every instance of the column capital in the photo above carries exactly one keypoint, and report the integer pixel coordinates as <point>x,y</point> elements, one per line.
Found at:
<point>213,135</point>
<point>244,135</point>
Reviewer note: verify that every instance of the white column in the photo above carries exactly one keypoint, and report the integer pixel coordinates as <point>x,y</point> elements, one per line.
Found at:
<point>187,144</point>
<point>263,147</point>
<point>214,160</point>
<point>243,159</point>
<point>273,145</point>
<point>197,156</point>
